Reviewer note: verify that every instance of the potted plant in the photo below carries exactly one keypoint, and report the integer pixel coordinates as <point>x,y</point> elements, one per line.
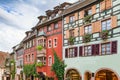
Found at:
<point>104,34</point>
<point>39,64</point>
<point>40,47</point>
<point>71,40</point>
<point>87,19</point>
<point>87,38</point>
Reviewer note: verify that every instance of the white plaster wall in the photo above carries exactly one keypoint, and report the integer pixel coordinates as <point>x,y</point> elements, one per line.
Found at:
<point>94,63</point>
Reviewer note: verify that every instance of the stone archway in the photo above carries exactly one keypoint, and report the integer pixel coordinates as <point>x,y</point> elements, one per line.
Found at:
<point>72,74</point>
<point>105,75</point>
<point>87,76</point>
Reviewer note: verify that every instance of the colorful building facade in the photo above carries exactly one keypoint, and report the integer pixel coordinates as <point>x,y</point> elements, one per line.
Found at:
<point>91,34</point>
<point>19,51</point>
<point>49,36</point>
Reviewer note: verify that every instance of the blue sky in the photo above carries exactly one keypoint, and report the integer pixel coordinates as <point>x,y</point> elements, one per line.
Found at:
<point>19,16</point>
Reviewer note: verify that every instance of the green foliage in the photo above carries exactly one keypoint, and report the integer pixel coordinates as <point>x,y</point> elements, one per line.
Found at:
<point>40,47</point>
<point>87,38</point>
<point>104,34</point>
<point>71,40</point>
<point>39,64</point>
<point>13,71</point>
<point>29,70</point>
<point>87,19</point>
<point>58,67</point>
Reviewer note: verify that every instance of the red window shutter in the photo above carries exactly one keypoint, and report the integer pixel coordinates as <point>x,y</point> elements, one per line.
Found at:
<point>75,51</point>
<point>93,49</point>
<point>80,51</point>
<point>97,50</point>
<point>114,47</point>
<point>66,53</point>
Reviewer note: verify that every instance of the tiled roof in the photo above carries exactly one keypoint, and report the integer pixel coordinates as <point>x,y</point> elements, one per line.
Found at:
<point>3,57</point>
<point>78,5</point>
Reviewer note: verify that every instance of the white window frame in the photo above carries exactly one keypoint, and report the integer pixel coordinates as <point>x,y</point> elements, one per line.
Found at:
<point>105,25</point>
<point>50,60</point>
<point>49,43</point>
<point>54,42</point>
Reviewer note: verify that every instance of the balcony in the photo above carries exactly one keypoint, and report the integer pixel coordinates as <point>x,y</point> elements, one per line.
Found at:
<point>41,53</point>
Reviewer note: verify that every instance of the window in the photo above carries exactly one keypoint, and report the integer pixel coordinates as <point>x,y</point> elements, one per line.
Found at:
<point>49,28</point>
<point>44,42</point>
<point>55,25</point>
<point>29,58</point>
<point>72,19</point>
<point>32,57</point>
<point>105,48</point>
<point>71,52</point>
<point>71,33</point>
<point>49,43</point>
<point>106,25</point>
<point>88,12</point>
<point>97,7</point>
<point>64,20</point>
<point>87,50</point>
<point>26,58</point>
<point>49,61</point>
<point>88,29</point>
<point>55,42</point>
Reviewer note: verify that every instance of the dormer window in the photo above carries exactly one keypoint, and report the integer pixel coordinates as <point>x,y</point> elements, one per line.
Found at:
<point>49,28</point>
<point>88,12</point>
<point>55,25</point>
<point>72,18</point>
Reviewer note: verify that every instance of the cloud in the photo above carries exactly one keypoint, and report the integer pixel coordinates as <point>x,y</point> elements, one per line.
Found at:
<point>18,16</point>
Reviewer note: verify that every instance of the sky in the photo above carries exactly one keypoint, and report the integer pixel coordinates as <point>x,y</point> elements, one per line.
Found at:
<point>19,16</point>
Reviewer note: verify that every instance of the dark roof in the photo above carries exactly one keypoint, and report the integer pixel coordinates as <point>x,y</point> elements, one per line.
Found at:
<point>78,5</point>
<point>32,35</point>
<point>41,17</point>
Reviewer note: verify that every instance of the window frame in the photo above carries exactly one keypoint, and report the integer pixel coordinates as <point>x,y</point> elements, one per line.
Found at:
<point>71,18</point>
<point>86,12</point>
<point>55,25</point>
<point>49,43</point>
<point>49,27</point>
<point>55,43</point>
<point>87,51</point>
<point>49,60</point>
<point>106,52</point>
<point>106,24</point>
<point>89,29</point>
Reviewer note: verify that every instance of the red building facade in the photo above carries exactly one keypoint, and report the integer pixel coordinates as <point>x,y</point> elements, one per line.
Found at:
<point>30,47</point>
<point>49,36</point>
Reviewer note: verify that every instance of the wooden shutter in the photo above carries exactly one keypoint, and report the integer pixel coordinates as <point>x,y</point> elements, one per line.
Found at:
<point>114,47</point>
<point>102,5</point>
<point>81,31</point>
<point>94,9</point>
<point>80,51</point>
<point>96,26</point>
<point>81,14</point>
<point>66,53</point>
<point>95,49</point>
<point>108,4</point>
<point>114,21</point>
<point>75,51</point>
